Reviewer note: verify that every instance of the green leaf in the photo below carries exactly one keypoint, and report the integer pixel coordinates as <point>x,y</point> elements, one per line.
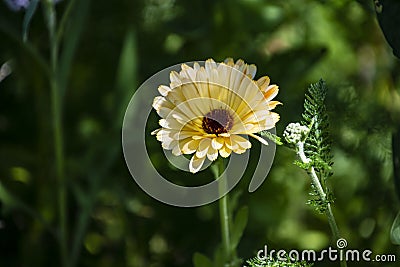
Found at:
<point>318,144</point>
<point>273,137</point>
<point>71,38</point>
<point>305,166</point>
<point>395,231</point>
<point>219,257</point>
<point>126,81</point>
<point>199,260</point>
<point>239,224</point>
<point>234,201</point>
<point>30,11</point>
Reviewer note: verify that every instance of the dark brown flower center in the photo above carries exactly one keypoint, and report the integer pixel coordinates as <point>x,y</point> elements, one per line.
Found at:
<point>217,121</point>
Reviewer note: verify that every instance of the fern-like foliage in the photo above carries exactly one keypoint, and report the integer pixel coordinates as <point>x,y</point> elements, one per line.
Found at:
<point>274,138</point>
<point>318,145</point>
<point>256,262</point>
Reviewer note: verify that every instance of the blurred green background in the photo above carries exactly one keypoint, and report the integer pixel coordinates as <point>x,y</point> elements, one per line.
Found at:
<point>119,44</point>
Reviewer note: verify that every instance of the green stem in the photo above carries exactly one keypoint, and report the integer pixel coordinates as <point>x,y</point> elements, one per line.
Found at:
<point>63,22</point>
<point>224,211</point>
<point>224,218</point>
<point>317,184</point>
<point>57,129</point>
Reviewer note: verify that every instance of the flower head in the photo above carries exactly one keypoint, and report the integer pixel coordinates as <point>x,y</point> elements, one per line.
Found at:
<point>206,110</point>
<point>295,133</point>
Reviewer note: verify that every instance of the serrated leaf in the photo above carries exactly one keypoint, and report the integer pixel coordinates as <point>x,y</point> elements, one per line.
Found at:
<point>273,137</point>
<point>302,165</point>
<point>200,260</point>
<point>239,224</point>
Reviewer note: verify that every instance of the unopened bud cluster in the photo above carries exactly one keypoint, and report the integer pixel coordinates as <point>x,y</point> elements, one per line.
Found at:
<point>295,132</point>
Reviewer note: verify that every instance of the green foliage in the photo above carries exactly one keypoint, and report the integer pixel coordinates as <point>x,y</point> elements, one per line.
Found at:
<point>304,166</point>
<point>106,50</point>
<point>199,260</point>
<point>273,137</point>
<point>256,262</point>
<point>239,224</point>
<point>317,146</point>
<point>395,231</point>
<point>317,202</point>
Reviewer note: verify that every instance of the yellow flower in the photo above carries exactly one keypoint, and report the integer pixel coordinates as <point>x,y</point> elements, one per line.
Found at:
<point>205,110</point>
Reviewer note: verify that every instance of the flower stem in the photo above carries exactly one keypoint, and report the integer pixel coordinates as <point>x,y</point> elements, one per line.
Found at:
<point>224,211</point>
<point>317,184</point>
<point>57,129</point>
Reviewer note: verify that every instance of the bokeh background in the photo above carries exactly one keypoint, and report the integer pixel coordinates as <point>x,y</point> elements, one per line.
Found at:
<point>120,44</point>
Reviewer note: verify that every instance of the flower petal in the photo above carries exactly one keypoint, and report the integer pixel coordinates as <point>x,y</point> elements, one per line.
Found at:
<point>203,148</point>
<point>212,154</point>
<point>195,164</point>
<point>259,138</point>
<point>189,146</point>
<point>271,92</point>
<point>242,142</point>
<point>225,152</point>
<point>217,142</point>
<point>164,90</point>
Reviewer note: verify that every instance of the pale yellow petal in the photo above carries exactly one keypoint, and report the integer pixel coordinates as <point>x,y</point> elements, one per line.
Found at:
<point>210,65</point>
<point>162,106</point>
<point>187,72</point>
<point>195,164</point>
<point>217,142</point>
<point>259,138</point>
<point>189,146</point>
<point>155,131</point>
<point>230,145</point>
<point>225,152</point>
<point>251,71</point>
<point>164,90</point>
<point>229,61</point>
<point>202,150</point>
<point>271,92</point>
<point>174,77</point>
<point>176,151</point>
<point>273,104</point>
<point>263,83</point>
<point>241,141</point>
<point>212,154</point>
<point>239,150</point>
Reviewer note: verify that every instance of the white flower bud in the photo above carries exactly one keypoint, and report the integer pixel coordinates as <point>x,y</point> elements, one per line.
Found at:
<point>295,132</point>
